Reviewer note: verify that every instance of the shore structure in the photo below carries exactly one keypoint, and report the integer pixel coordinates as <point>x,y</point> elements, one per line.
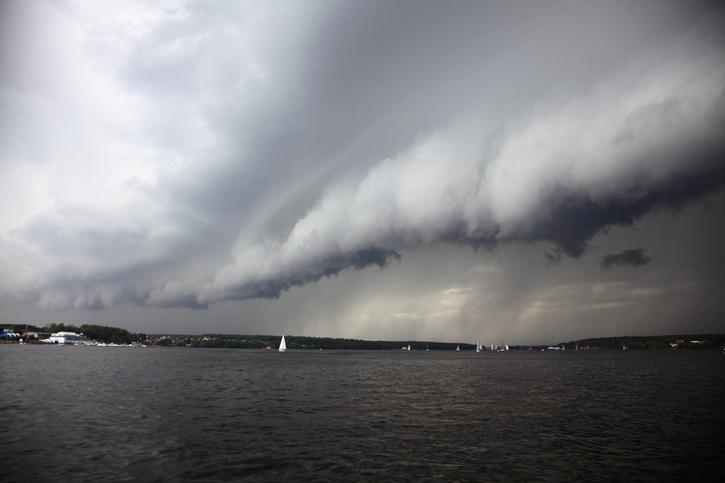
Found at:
<point>68,338</point>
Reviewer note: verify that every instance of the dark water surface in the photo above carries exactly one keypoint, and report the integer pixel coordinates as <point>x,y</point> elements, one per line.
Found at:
<point>113,413</point>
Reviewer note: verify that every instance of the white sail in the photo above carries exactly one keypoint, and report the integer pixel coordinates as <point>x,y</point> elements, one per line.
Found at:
<point>478,346</point>
<point>282,345</point>
<point>408,346</point>
<point>458,347</point>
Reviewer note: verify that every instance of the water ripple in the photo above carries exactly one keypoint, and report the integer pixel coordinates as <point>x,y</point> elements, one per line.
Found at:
<point>88,414</point>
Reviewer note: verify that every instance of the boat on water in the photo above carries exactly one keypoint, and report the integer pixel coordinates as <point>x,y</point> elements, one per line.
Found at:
<point>282,345</point>
<point>458,348</point>
<point>478,346</point>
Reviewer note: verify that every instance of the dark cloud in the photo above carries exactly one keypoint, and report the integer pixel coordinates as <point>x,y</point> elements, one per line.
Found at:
<point>331,267</point>
<point>572,223</point>
<point>575,220</point>
<point>634,257</point>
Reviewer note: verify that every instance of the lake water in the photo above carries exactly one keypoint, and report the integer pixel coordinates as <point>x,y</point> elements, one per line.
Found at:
<point>94,414</point>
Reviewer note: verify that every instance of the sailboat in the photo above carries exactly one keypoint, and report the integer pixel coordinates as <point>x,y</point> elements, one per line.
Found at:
<point>502,348</point>
<point>282,345</point>
<point>458,348</point>
<point>478,346</point>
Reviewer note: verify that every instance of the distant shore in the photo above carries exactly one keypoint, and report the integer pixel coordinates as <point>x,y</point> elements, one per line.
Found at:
<point>17,333</point>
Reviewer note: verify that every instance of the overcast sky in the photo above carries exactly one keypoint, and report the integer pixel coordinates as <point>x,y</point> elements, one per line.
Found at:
<point>525,172</point>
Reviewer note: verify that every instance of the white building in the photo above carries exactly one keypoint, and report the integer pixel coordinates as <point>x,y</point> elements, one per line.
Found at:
<point>68,338</point>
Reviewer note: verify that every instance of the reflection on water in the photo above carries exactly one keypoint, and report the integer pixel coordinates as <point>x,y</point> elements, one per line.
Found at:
<point>91,414</point>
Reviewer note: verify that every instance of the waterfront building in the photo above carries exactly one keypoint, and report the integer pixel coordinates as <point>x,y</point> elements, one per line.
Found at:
<point>68,338</point>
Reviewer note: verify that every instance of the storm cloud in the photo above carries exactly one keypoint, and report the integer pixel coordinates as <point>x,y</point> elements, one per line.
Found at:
<point>634,257</point>
<point>183,154</point>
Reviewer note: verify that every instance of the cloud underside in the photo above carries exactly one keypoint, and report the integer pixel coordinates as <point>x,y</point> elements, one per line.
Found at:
<point>201,156</point>
<point>634,257</point>
<point>570,222</point>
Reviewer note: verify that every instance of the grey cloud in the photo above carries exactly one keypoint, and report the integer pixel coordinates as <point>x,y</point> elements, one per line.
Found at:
<point>574,220</point>
<point>295,141</point>
<point>330,267</point>
<point>414,199</point>
<point>634,257</point>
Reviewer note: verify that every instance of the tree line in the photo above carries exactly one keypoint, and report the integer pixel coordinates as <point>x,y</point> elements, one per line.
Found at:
<point>315,343</point>
<point>101,333</point>
<point>685,341</point>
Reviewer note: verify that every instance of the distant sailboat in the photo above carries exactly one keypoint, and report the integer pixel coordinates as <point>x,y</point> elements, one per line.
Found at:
<point>458,348</point>
<point>408,346</point>
<point>282,345</point>
<point>478,346</point>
